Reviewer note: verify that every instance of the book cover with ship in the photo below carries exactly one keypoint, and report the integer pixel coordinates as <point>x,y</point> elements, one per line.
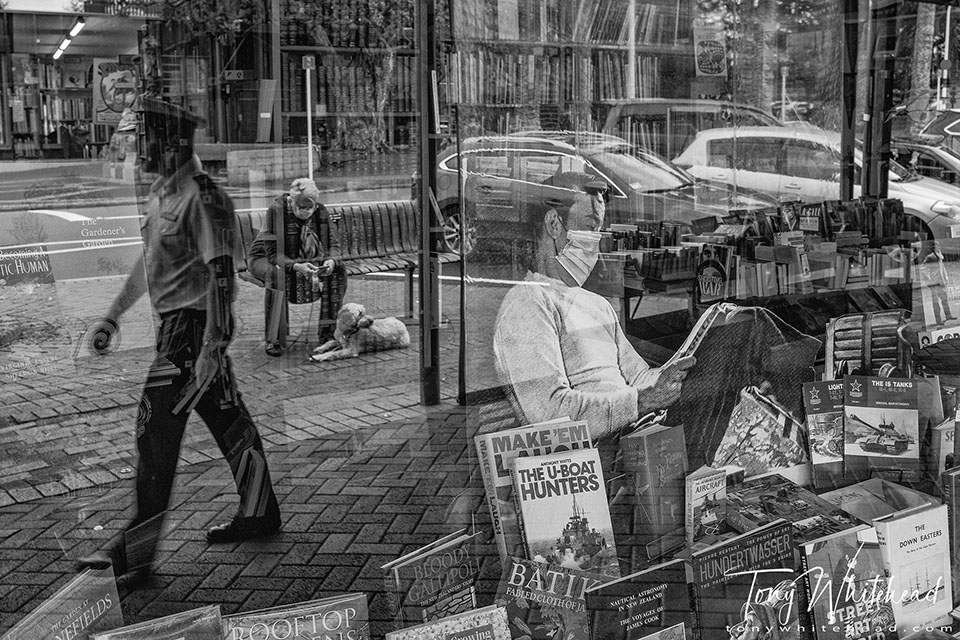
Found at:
<point>746,584</point>
<point>341,616</point>
<point>487,623</point>
<point>545,602</point>
<point>845,586</point>
<point>202,623</point>
<point>915,549</point>
<point>760,500</point>
<point>86,605</point>
<point>643,604</point>
<point>565,517</point>
<point>434,581</point>
<point>497,451</point>
<point>705,503</point>
<point>881,429</point>
<point>823,406</point>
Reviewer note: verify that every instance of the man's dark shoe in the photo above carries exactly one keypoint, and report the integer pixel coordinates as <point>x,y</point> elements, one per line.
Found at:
<point>240,529</point>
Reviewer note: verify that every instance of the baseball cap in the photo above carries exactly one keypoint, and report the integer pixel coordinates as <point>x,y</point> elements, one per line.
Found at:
<point>558,190</point>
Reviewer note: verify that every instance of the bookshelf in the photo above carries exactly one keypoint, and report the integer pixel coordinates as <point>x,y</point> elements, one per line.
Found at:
<point>357,84</point>
<point>47,100</point>
<point>544,64</point>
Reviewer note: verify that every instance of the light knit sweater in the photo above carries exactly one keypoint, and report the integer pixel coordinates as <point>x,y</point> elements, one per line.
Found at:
<point>562,353</point>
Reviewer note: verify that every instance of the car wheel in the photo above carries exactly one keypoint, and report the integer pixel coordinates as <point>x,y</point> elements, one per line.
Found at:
<point>451,240</point>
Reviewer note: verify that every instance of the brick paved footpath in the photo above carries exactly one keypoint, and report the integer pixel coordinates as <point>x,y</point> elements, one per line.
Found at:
<point>351,502</point>
<point>363,471</point>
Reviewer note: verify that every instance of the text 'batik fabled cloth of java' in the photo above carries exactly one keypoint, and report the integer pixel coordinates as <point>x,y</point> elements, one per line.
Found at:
<point>745,347</point>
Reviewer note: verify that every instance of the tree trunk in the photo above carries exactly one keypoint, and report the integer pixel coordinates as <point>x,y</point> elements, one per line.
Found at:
<point>922,57</point>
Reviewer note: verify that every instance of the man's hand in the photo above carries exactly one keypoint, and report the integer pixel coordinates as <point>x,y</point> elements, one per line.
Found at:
<point>207,364</point>
<point>660,388</point>
<point>327,267</point>
<point>306,268</point>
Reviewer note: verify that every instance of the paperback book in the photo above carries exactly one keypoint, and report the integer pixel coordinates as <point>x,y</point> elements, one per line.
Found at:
<point>713,273</point>
<point>496,452</point>
<point>705,503</point>
<point>487,623</point>
<point>643,604</point>
<point>435,581</point>
<point>342,616</point>
<point>915,549</point>
<point>565,517</point>
<point>86,605</point>
<point>845,586</point>
<point>545,602</point>
<point>823,406</point>
<point>881,429</point>
<point>746,584</point>
<point>203,623</point>
<point>761,500</point>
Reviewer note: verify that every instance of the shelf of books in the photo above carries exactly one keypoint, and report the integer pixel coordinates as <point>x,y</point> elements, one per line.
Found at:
<point>511,56</point>
<point>357,77</point>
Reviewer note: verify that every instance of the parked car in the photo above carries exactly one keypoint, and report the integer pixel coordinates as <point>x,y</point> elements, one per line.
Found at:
<point>666,126</point>
<point>501,174</point>
<point>931,161</point>
<point>804,164</point>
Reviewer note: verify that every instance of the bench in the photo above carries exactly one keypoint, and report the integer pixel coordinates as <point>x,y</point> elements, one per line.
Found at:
<point>374,237</point>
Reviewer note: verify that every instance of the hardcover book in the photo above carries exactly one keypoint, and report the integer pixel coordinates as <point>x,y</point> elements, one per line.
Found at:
<point>435,581</point>
<point>643,604</point>
<point>496,451</point>
<point>950,484</point>
<point>203,623</point>
<point>761,500</point>
<point>545,602</point>
<point>565,517</point>
<point>86,605</point>
<point>881,428</point>
<point>342,616</point>
<point>487,623</point>
<point>746,584</point>
<point>823,405</point>
<point>655,457</point>
<point>845,586</point>
<point>915,549</point>
<point>705,503</point>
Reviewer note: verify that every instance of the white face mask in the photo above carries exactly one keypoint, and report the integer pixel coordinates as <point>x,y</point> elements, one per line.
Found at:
<point>579,256</point>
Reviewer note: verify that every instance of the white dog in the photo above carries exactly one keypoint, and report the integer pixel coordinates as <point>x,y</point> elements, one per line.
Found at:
<point>357,333</point>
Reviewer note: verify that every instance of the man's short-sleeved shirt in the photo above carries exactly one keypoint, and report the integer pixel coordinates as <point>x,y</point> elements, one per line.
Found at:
<point>189,222</point>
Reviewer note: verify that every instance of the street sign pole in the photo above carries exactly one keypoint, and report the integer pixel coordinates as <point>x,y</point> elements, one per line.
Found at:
<point>309,62</point>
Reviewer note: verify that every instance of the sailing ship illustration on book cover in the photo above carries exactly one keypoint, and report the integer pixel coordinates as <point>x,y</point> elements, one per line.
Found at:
<point>564,511</point>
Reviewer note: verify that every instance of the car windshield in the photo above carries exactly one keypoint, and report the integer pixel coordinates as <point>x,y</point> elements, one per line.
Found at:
<point>642,170</point>
<point>900,172</point>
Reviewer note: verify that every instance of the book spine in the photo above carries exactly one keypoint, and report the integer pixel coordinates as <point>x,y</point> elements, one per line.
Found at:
<point>695,601</point>
<point>804,596</point>
<point>489,485</point>
<point>391,584</point>
<point>689,508</point>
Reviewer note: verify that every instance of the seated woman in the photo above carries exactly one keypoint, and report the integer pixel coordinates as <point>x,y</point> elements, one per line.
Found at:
<point>296,255</point>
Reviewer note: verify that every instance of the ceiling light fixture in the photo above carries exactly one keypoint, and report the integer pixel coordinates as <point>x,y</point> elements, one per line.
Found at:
<point>78,26</point>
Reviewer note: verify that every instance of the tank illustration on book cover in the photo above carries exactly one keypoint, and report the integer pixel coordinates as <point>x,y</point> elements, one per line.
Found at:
<point>881,428</point>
